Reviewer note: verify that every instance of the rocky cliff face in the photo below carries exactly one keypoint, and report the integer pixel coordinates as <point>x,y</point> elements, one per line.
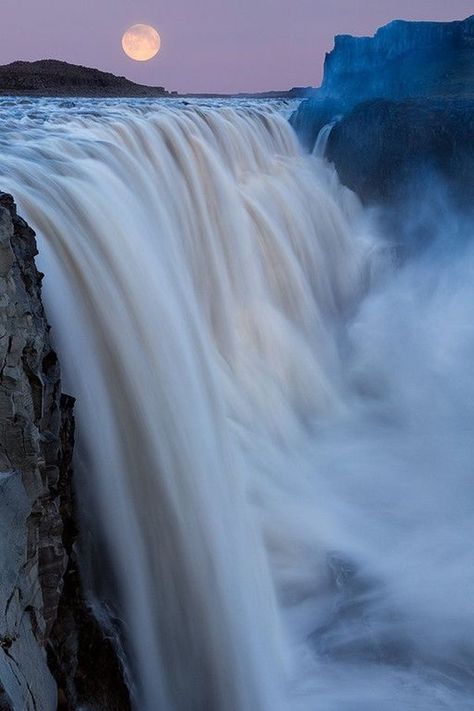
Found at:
<point>402,104</point>
<point>388,151</point>
<point>403,59</point>
<point>31,462</point>
<point>47,633</point>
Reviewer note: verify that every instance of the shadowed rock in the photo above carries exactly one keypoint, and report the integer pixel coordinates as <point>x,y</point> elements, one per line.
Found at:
<point>403,59</point>
<point>47,633</point>
<point>49,77</point>
<point>403,101</point>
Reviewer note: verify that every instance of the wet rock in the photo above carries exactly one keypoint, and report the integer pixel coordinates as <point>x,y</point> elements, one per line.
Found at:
<point>388,151</point>
<point>43,610</point>
<point>31,551</point>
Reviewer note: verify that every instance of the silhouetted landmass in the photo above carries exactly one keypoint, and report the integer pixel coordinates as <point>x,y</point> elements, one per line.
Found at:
<point>297,92</point>
<point>50,77</point>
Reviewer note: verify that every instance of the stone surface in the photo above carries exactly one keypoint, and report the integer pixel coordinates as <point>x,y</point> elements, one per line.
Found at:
<point>403,59</point>
<point>33,560</point>
<point>312,115</point>
<point>388,151</point>
<point>403,107</point>
<point>53,654</point>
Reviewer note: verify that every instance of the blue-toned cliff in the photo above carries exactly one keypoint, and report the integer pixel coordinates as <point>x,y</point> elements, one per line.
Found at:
<point>403,107</point>
<point>403,59</point>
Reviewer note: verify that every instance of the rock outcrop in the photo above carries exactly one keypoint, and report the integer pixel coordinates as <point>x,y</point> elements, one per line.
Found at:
<point>50,77</point>
<point>389,151</point>
<point>33,559</point>
<point>403,59</point>
<point>403,107</point>
<point>46,629</point>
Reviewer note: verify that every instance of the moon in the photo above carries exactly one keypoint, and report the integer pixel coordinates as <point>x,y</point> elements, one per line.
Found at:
<point>141,43</point>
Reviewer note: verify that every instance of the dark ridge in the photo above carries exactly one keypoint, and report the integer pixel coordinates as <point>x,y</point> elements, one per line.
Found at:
<point>50,77</point>
<point>403,60</point>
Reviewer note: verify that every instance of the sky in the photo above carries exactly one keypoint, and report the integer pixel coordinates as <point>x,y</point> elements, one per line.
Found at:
<point>207,45</point>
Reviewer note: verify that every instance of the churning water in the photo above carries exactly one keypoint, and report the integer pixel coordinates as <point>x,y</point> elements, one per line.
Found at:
<point>275,418</point>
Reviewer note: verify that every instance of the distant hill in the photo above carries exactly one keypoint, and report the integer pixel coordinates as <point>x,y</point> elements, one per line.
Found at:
<point>50,77</point>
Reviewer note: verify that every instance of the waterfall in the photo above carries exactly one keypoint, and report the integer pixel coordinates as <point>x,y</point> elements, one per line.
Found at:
<point>254,466</point>
<point>323,138</point>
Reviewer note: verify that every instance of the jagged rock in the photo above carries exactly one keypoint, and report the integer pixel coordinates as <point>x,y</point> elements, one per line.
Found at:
<point>82,655</point>
<point>417,135</point>
<point>403,59</point>
<point>44,618</point>
<point>31,551</point>
<point>312,115</point>
<point>388,151</point>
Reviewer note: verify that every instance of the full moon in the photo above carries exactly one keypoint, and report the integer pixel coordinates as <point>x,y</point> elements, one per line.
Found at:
<point>141,42</point>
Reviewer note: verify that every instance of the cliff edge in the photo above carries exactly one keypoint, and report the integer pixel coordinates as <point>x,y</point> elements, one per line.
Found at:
<point>402,105</point>
<point>403,59</point>
<point>47,632</point>
<point>50,77</point>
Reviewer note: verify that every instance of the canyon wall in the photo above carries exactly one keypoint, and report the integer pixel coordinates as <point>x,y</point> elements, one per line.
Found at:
<point>391,151</point>
<point>402,104</point>
<point>403,59</point>
<point>52,652</point>
<point>33,458</point>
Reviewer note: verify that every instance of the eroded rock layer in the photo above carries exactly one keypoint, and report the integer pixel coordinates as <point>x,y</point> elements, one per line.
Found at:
<point>47,633</point>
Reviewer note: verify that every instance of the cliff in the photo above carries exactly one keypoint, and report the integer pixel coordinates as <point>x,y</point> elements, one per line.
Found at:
<point>403,59</point>
<point>46,628</point>
<point>388,151</point>
<point>402,104</point>
<point>49,77</point>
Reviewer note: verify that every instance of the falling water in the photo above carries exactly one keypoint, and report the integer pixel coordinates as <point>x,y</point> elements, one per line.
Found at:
<point>322,139</point>
<point>275,459</point>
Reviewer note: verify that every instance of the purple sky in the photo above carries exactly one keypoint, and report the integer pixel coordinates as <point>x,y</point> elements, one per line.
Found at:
<point>208,45</point>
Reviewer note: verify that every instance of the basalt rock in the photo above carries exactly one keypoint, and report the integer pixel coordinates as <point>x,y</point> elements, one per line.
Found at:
<point>390,151</point>
<point>47,632</point>
<point>403,61</point>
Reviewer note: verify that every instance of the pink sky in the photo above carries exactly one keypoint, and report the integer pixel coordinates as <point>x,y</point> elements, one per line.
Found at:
<point>208,45</point>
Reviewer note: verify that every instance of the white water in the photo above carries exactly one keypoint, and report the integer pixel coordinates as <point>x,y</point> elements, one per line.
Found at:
<point>275,421</point>
<point>322,139</point>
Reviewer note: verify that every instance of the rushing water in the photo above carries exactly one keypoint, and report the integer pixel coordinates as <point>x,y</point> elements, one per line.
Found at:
<point>322,139</point>
<point>275,418</point>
